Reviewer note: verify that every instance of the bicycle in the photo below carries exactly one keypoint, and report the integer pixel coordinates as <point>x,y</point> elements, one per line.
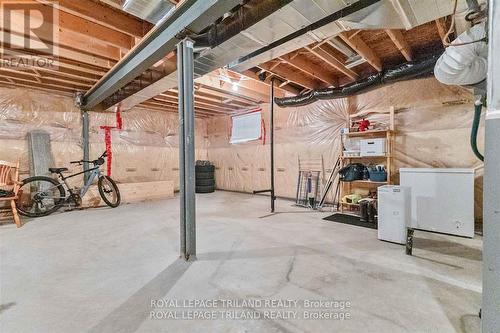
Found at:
<point>42,196</point>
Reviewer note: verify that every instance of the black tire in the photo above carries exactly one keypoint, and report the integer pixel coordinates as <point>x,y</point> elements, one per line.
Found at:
<point>205,182</point>
<point>55,185</point>
<point>205,175</point>
<point>103,191</point>
<point>205,189</point>
<point>205,168</point>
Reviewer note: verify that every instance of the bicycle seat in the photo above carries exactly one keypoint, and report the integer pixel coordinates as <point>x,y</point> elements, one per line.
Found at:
<point>57,170</point>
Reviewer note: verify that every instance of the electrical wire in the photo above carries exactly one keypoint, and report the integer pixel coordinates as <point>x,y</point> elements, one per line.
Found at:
<point>452,28</point>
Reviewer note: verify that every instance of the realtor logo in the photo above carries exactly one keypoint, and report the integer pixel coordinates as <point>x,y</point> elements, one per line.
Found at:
<point>30,34</point>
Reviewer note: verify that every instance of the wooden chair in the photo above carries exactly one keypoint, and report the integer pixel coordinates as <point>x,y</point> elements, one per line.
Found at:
<point>9,180</point>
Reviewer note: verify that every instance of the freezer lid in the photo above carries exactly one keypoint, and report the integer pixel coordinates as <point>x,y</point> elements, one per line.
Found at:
<point>436,170</point>
<point>393,188</point>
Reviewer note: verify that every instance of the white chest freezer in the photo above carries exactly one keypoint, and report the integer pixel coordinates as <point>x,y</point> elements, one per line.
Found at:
<point>393,213</point>
<point>442,200</point>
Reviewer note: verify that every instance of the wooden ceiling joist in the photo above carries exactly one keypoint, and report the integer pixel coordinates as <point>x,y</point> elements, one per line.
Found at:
<point>154,106</point>
<point>35,74</point>
<point>69,73</point>
<point>224,99</point>
<point>73,31</point>
<point>208,101</point>
<point>306,67</point>
<point>295,77</point>
<point>100,33</point>
<point>66,53</point>
<point>400,42</point>
<point>33,83</point>
<point>8,83</point>
<point>283,84</point>
<point>249,83</point>
<point>358,45</point>
<point>197,105</point>
<point>170,106</point>
<point>209,96</point>
<point>106,16</point>
<point>201,105</point>
<point>226,95</point>
<point>75,66</point>
<point>442,29</point>
<point>242,88</point>
<point>324,55</point>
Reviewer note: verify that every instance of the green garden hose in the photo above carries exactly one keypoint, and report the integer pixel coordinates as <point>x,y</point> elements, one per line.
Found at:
<point>478,106</point>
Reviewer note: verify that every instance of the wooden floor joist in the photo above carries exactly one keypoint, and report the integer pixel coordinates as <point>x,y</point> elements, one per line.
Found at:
<point>308,68</point>
<point>400,42</point>
<point>321,53</point>
<point>105,16</point>
<point>358,45</point>
<point>95,34</point>
<point>296,77</point>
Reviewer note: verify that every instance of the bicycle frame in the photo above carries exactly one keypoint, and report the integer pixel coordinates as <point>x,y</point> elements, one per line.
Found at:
<point>93,173</point>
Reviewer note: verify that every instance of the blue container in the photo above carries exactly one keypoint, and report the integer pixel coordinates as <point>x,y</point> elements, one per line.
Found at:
<point>378,176</point>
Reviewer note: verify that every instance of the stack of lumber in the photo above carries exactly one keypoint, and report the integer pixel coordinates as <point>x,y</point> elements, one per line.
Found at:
<point>133,192</point>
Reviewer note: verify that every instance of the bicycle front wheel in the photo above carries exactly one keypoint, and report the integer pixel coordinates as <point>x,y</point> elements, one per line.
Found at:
<point>109,191</point>
<point>40,196</point>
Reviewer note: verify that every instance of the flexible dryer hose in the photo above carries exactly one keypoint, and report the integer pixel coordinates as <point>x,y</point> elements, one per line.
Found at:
<point>478,106</point>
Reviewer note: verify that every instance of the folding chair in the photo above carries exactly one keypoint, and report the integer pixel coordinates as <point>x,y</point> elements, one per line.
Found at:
<point>9,181</point>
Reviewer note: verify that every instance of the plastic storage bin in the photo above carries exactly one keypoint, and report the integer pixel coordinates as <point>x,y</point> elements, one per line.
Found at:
<point>378,176</point>
<point>373,147</point>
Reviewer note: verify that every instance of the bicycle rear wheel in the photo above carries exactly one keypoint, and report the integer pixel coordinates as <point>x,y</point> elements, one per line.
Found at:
<point>40,196</point>
<point>109,191</point>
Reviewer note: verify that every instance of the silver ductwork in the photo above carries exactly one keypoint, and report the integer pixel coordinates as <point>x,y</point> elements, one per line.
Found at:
<point>277,34</point>
<point>287,20</point>
<point>149,10</point>
<point>385,14</point>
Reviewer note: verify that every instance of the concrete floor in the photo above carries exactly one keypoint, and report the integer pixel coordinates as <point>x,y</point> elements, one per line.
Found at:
<point>98,271</point>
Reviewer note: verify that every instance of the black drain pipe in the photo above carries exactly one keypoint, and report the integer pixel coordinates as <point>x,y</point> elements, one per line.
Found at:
<point>478,106</point>
<point>407,71</point>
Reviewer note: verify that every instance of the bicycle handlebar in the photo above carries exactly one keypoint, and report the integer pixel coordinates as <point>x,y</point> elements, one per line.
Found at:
<point>95,162</point>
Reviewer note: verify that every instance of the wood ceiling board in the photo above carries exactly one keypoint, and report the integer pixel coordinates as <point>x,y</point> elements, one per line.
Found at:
<point>310,57</point>
<point>107,16</point>
<point>382,45</point>
<point>290,73</point>
<point>424,39</point>
<point>310,68</point>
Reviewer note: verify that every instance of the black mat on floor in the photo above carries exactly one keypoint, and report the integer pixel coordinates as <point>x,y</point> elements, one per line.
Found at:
<point>349,219</point>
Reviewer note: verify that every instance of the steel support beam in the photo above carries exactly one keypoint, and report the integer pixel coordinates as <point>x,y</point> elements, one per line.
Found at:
<point>271,110</point>
<point>491,228</point>
<point>193,15</point>
<point>85,143</point>
<point>185,66</point>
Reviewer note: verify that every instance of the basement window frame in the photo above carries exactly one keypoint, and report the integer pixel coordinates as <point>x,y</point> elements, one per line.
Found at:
<point>253,134</point>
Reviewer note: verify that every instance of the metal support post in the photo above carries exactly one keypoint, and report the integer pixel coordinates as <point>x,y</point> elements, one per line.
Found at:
<point>491,211</point>
<point>271,144</point>
<point>85,144</point>
<point>271,107</point>
<point>185,70</point>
